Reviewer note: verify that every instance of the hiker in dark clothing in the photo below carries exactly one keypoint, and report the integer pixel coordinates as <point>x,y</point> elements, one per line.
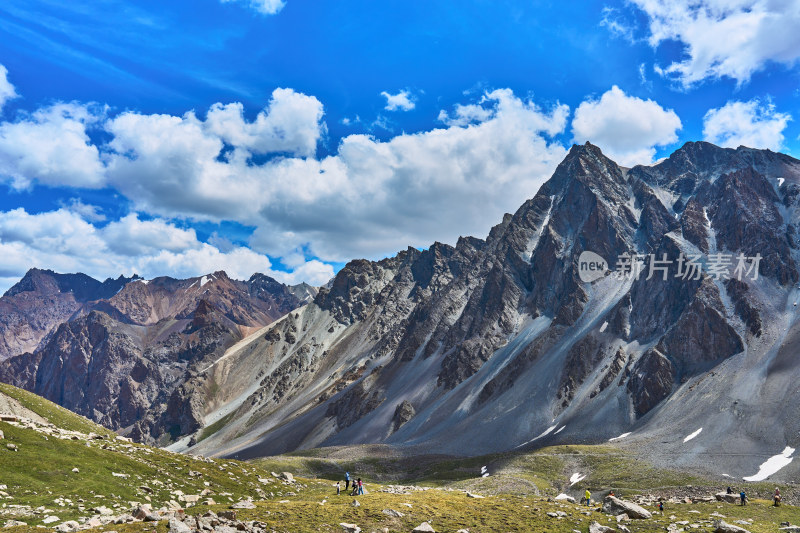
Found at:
<point>743,497</point>
<point>730,490</point>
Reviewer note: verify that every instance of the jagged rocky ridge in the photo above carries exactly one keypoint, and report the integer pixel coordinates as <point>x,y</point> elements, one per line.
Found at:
<point>121,352</point>
<point>493,344</point>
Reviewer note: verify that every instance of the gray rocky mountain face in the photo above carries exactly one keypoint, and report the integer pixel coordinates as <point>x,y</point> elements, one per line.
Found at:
<point>489,344</point>
<point>120,352</point>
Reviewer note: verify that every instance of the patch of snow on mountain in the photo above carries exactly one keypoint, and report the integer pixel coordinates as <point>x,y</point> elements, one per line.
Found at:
<point>692,435</point>
<point>576,477</point>
<point>612,439</point>
<point>772,465</point>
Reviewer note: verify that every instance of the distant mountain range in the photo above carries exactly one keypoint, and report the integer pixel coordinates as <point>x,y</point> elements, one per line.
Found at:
<point>119,351</point>
<point>640,305</point>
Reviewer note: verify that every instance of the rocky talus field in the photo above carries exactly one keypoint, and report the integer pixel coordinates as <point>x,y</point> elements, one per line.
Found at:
<point>61,472</point>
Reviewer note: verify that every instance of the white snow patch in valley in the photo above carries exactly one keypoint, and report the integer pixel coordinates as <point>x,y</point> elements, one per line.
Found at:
<point>612,439</point>
<point>772,465</point>
<point>563,496</point>
<point>559,430</point>
<point>692,435</point>
<point>575,478</point>
<point>483,470</point>
<point>604,326</point>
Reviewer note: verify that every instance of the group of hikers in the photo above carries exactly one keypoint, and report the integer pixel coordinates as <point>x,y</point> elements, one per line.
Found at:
<point>358,486</point>
<point>776,496</point>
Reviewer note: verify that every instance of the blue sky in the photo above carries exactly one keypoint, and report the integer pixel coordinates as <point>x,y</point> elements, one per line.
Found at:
<point>287,137</point>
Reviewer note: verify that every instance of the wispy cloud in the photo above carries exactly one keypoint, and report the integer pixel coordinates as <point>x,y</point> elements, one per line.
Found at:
<point>264,7</point>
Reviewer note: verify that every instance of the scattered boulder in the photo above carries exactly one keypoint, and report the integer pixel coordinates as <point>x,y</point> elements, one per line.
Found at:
<point>350,528</point>
<point>2,436</point>
<point>75,470</point>
<point>727,498</point>
<point>721,526</point>
<point>288,477</point>
<point>140,512</point>
<point>470,495</point>
<point>791,529</point>
<point>355,503</point>
<point>614,506</point>
<point>244,504</point>
<point>50,519</point>
<point>393,513</point>
<point>596,527</point>
<point>227,515</point>
<point>424,528</point>
<point>68,527</point>
<point>14,523</point>
<point>12,447</point>
<point>176,526</point>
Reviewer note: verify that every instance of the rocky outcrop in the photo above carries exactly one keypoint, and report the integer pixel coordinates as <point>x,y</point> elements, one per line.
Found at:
<point>651,381</point>
<point>404,412</point>
<point>615,506</point>
<point>43,299</point>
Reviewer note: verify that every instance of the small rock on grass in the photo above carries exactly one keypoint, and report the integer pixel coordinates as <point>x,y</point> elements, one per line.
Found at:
<point>350,528</point>
<point>596,527</point>
<point>424,528</point>
<point>393,513</point>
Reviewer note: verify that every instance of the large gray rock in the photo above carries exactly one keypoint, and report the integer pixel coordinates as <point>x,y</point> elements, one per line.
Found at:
<point>614,506</point>
<point>350,528</point>
<point>725,497</point>
<point>721,526</point>
<point>423,528</point>
<point>244,504</point>
<point>176,526</point>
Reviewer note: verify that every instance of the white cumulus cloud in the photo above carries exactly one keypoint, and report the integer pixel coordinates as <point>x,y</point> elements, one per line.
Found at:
<point>51,146</point>
<point>625,127</point>
<point>265,7</point>
<point>402,101</point>
<point>7,91</point>
<point>370,199</point>
<point>724,38</point>
<point>64,241</point>
<point>753,124</point>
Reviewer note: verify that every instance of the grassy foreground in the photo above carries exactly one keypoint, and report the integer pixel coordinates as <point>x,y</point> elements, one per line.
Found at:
<point>112,475</point>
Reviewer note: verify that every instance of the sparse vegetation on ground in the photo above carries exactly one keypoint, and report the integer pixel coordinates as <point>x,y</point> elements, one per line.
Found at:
<point>76,471</point>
